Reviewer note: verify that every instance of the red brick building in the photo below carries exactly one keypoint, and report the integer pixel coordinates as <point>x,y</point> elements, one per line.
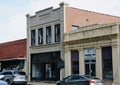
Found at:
<point>13,54</point>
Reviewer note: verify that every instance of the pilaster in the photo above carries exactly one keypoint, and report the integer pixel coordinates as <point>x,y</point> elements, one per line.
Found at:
<point>67,62</point>
<point>116,65</point>
<point>81,62</point>
<point>98,63</point>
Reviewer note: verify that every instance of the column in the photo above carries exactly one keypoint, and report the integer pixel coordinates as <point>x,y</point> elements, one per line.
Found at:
<point>36,36</point>
<point>67,62</point>
<point>81,62</point>
<point>44,35</point>
<point>116,65</point>
<point>28,66</point>
<point>98,63</point>
<point>52,33</point>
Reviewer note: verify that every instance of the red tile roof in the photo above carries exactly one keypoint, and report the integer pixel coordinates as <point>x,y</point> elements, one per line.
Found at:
<point>13,50</point>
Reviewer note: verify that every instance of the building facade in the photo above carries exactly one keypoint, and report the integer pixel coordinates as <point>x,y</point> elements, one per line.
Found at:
<point>13,55</point>
<point>45,39</point>
<point>45,43</point>
<point>94,51</point>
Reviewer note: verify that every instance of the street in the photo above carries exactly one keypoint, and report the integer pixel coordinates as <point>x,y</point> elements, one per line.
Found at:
<point>106,82</point>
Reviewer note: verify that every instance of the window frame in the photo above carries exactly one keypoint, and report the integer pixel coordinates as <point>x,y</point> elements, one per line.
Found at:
<point>48,34</point>
<point>40,36</point>
<point>75,27</point>
<point>33,35</point>
<point>57,32</point>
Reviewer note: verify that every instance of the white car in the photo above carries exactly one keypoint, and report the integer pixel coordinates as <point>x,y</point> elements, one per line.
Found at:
<point>14,77</point>
<point>3,82</point>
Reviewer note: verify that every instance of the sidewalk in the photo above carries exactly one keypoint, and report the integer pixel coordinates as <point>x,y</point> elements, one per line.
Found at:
<point>41,83</point>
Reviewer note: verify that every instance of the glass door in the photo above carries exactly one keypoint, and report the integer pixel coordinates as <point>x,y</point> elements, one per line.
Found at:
<point>90,61</point>
<point>90,67</point>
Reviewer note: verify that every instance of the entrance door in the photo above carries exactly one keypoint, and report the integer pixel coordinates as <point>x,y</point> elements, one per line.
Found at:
<point>90,67</point>
<point>90,61</point>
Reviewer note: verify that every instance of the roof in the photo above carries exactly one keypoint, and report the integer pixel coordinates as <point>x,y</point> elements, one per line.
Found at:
<point>13,50</point>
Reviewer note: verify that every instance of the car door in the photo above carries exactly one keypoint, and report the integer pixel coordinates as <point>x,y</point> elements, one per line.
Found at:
<point>69,80</point>
<point>75,80</point>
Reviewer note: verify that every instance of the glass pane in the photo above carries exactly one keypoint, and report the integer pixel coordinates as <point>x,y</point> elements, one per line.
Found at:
<point>48,34</point>
<point>33,37</point>
<point>57,33</point>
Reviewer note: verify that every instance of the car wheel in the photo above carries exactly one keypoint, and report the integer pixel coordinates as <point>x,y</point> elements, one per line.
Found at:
<point>8,81</point>
<point>58,83</point>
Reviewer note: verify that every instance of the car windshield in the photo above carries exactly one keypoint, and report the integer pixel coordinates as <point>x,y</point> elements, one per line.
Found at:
<point>20,73</point>
<point>87,76</point>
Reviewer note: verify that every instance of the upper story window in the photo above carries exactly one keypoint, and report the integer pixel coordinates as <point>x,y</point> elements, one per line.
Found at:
<point>32,37</point>
<point>74,27</point>
<point>48,34</point>
<point>57,33</point>
<point>40,36</point>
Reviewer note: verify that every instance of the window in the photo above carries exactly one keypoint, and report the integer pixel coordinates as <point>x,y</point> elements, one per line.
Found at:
<point>48,34</point>
<point>107,62</point>
<point>75,61</point>
<point>40,36</point>
<point>74,27</point>
<point>32,37</point>
<point>90,61</point>
<point>57,33</point>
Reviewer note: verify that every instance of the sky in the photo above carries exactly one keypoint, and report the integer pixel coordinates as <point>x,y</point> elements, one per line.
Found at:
<point>13,13</point>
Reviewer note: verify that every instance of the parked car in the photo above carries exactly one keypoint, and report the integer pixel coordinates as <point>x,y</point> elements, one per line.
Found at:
<point>14,77</point>
<point>76,79</point>
<point>3,82</point>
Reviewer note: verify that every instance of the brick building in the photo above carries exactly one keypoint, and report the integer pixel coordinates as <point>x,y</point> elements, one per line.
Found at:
<point>13,55</point>
<point>45,39</point>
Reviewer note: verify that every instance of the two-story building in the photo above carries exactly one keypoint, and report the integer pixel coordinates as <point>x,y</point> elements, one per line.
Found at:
<point>45,40</point>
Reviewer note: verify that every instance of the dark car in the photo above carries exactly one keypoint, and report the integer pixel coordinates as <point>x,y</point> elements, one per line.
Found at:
<point>76,79</point>
<point>14,77</point>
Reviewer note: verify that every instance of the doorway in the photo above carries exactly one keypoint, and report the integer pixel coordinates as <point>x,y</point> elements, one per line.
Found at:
<point>90,61</point>
<point>107,63</point>
<point>90,67</point>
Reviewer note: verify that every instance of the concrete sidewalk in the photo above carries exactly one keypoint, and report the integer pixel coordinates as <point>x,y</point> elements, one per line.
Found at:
<point>41,83</point>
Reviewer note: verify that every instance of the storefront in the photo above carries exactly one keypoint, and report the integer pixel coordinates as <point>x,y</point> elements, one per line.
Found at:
<point>97,51</point>
<point>13,55</point>
<point>44,66</point>
<point>16,64</point>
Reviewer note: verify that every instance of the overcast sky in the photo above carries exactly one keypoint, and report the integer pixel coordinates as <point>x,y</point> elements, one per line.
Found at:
<point>13,13</point>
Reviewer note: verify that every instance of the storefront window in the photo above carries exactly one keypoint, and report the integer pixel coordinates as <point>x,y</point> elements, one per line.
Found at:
<point>44,66</point>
